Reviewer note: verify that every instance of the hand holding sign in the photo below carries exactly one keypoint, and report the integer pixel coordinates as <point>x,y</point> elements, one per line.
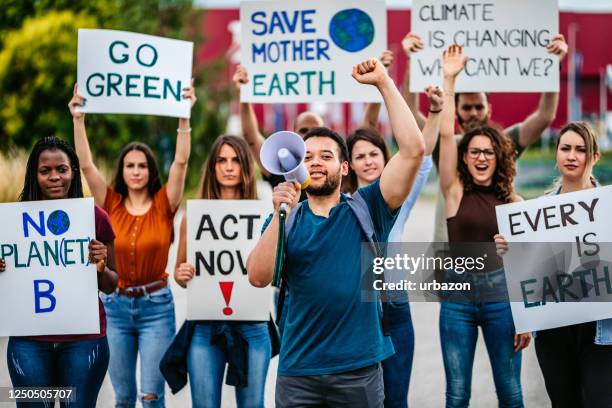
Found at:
<point>184,273</point>
<point>412,43</point>
<point>501,244</point>
<point>453,61</point>
<point>558,46</point>
<point>521,341</point>
<point>189,93</point>
<point>387,58</point>
<point>76,101</point>
<point>97,254</point>
<point>241,77</point>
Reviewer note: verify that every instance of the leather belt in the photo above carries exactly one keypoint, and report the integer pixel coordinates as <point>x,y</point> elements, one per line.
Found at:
<point>139,291</point>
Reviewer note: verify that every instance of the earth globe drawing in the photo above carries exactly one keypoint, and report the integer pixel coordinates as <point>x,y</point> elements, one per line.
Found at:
<point>58,222</point>
<point>352,30</point>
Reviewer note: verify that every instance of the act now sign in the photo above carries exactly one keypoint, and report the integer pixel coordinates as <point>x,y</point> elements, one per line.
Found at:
<point>123,72</point>
<point>220,237</point>
<point>297,51</point>
<point>49,287</point>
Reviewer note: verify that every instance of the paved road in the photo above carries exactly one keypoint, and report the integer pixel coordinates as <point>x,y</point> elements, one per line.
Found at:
<point>427,385</point>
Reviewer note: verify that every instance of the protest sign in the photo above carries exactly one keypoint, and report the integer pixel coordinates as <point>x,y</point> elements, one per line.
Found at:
<point>220,237</point>
<point>504,40</point>
<point>49,287</point>
<point>558,263</point>
<point>297,51</point>
<point>123,72</point>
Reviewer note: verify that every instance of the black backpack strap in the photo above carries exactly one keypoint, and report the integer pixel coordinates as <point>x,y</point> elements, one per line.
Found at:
<point>289,224</point>
<point>360,208</point>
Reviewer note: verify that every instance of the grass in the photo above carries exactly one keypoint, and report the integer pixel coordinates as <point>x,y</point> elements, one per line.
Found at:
<point>13,167</point>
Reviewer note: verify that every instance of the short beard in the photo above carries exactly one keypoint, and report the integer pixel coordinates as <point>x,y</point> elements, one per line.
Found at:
<point>472,124</point>
<point>330,185</point>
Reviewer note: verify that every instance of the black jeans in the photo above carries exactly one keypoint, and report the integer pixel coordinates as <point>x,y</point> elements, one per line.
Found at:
<point>577,372</point>
<point>361,388</point>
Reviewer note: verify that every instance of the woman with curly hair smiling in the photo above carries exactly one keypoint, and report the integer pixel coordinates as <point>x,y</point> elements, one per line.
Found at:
<point>475,177</point>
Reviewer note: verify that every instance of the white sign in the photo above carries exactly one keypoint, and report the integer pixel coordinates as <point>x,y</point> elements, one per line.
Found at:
<point>298,51</point>
<point>48,288</point>
<point>577,226</point>
<point>504,40</point>
<point>123,72</point>
<point>220,237</point>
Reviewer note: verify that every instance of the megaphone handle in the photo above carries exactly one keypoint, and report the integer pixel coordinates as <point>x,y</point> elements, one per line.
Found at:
<point>283,208</point>
<point>280,248</point>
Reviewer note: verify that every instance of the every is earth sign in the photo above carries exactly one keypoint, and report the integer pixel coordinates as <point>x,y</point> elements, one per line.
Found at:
<point>300,52</point>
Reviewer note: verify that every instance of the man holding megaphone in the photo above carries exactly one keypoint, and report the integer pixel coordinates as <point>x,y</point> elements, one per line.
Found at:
<point>333,342</point>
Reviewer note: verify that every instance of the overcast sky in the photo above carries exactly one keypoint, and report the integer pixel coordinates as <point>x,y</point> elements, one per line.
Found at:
<point>568,5</point>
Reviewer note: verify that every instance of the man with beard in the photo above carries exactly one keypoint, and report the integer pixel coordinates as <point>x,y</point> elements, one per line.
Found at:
<point>474,110</point>
<point>333,342</point>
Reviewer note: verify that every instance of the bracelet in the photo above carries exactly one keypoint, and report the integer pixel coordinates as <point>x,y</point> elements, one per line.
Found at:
<point>437,111</point>
<point>179,130</point>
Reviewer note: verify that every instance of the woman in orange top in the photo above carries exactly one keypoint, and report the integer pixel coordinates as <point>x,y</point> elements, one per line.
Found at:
<point>141,312</point>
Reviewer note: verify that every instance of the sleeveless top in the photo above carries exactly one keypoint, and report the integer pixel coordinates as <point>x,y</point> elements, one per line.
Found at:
<point>476,223</point>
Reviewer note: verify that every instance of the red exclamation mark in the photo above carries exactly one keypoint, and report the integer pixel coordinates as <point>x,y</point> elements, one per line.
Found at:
<point>226,289</point>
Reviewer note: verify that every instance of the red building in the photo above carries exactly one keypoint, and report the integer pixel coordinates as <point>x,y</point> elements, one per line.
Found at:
<point>591,43</point>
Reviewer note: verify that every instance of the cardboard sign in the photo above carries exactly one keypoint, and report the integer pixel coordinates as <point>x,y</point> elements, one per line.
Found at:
<point>48,288</point>
<point>298,51</point>
<point>123,72</point>
<point>220,237</point>
<point>559,234</point>
<point>504,40</point>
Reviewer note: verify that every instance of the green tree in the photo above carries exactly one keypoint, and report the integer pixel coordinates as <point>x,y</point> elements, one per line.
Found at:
<point>37,67</point>
<point>38,53</point>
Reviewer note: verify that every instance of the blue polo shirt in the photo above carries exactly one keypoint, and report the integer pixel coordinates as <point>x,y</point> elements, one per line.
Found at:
<point>328,328</point>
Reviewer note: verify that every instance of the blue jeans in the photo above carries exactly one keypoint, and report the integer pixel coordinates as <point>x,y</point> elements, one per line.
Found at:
<point>206,365</point>
<point>398,367</point>
<point>144,325</point>
<point>458,334</point>
<point>78,364</point>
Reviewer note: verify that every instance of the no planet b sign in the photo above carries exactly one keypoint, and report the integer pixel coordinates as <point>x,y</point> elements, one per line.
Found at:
<point>297,51</point>
<point>49,287</point>
<point>123,72</point>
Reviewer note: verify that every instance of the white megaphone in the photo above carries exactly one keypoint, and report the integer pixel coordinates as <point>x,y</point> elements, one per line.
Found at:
<point>283,154</point>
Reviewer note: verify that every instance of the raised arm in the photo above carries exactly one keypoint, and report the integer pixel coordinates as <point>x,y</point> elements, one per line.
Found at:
<point>94,178</point>
<point>183,271</point>
<point>260,263</point>
<point>248,120</point>
<point>431,130</point>
<point>531,128</point>
<point>412,43</point>
<point>399,174</point>
<point>178,169</point>
<point>372,110</point>
<point>453,63</point>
